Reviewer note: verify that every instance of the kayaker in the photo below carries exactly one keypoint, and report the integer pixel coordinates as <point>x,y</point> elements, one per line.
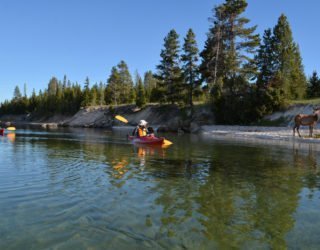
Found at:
<point>141,129</point>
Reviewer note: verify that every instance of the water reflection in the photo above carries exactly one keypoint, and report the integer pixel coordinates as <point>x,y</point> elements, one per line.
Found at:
<point>120,168</point>
<point>198,194</point>
<point>248,203</point>
<point>306,160</point>
<point>11,137</point>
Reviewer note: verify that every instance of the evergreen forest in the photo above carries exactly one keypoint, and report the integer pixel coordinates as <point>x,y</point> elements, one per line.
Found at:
<point>238,72</point>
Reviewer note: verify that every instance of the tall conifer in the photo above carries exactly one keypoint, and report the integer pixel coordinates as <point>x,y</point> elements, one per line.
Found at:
<point>169,72</point>
<point>190,67</point>
<point>226,59</point>
<point>112,91</point>
<point>126,84</point>
<point>17,93</point>
<point>140,93</point>
<point>150,83</point>
<point>314,85</point>
<point>86,93</point>
<point>290,74</point>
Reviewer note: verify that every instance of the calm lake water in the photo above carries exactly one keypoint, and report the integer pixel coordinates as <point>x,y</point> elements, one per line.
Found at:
<point>91,189</point>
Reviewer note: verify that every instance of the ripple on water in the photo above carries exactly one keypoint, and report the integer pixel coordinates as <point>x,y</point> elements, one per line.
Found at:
<point>90,193</point>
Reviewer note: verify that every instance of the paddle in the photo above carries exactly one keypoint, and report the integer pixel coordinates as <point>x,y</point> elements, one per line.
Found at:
<point>122,119</point>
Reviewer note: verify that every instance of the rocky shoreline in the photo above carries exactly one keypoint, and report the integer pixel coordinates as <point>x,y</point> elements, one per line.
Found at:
<point>166,118</point>
<point>263,133</point>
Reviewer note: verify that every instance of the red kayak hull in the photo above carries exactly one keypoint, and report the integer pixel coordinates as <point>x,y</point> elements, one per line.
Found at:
<point>1,131</point>
<point>150,140</point>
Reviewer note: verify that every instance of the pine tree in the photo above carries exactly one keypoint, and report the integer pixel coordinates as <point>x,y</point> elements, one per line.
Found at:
<point>64,83</point>
<point>226,57</point>
<point>290,73</point>
<point>190,67</point>
<point>280,71</point>
<point>76,97</point>
<point>16,102</point>
<point>58,99</point>
<point>52,86</point>
<point>33,102</point>
<point>266,60</point>
<point>17,93</point>
<point>101,93</point>
<point>268,97</point>
<point>140,93</point>
<point>227,64</point>
<point>112,91</point>
<point>119,89</point>
<point>94,94</point>
<point>25,100</point>
<point>240,43</point>
<point>169,72</point>
<point>150,83</point>
<point>126,89</point>
<point>25,90</point>
<point>313,85</point>
<point>86,93</point>
<point>212,67</point>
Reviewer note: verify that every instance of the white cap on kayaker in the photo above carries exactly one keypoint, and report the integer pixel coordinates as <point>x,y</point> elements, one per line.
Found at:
<point>142,123</point>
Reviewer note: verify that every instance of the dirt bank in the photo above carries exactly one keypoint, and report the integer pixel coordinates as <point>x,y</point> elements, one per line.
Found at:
<point>285,117</point>
<point>21,121</point>
<point>162,117</point>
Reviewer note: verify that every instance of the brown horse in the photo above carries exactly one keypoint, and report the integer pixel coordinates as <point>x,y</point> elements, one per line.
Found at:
<point>306,120</point>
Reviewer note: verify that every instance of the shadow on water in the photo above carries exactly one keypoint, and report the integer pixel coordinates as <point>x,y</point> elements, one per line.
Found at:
<point>94,189</point>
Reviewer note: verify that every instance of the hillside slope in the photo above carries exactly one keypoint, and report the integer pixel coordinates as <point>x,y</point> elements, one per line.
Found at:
<point>161,117</point>
<point>286,117</point>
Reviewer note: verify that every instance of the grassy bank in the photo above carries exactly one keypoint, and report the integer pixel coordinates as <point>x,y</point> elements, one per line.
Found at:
<point>314,101</point>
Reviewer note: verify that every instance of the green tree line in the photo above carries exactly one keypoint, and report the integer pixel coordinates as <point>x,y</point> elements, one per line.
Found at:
<point>242,76</point>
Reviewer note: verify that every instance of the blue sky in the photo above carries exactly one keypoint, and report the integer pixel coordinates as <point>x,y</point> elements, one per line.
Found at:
<point>44,38</point>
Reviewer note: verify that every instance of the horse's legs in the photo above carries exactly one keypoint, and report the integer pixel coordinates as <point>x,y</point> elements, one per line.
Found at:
<point>310,130</point>
<point>298,127</point>
<point>294,130</point>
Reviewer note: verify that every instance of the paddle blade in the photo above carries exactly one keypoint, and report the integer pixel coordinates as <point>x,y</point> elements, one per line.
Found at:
<point>166,142</point>
<point>120,118</point>
<point>11,128</point>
